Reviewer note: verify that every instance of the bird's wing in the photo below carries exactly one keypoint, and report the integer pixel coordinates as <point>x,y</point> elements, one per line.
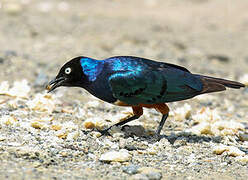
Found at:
<point>154,86</point>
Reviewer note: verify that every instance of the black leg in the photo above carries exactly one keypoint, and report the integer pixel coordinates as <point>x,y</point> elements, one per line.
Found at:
<point>161,124</point>
<point>105,131</point>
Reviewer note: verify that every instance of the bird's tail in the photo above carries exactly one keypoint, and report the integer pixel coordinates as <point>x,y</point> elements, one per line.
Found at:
<point>212,84</point>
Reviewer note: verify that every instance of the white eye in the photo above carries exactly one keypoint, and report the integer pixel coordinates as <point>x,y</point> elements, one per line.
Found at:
<point>68,70</point>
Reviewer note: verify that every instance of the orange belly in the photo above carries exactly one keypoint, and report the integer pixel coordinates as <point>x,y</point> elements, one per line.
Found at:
<point>163,108</point>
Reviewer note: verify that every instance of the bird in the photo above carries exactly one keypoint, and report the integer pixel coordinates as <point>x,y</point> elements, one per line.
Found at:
<point>137,83</point>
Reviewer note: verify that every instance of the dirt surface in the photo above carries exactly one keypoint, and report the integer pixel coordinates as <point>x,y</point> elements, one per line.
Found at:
<point>46,137</point>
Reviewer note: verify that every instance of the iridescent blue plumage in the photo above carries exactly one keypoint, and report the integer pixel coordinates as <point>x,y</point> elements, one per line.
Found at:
<point>137,80</point>
<point>91,67</point>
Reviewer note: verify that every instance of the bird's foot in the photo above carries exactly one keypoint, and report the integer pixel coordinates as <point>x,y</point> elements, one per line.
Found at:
<point>104,132</point>
<point>157,137</point>
<point>128,118</point>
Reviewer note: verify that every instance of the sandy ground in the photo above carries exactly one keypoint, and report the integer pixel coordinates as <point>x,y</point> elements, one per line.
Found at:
<point>45,136</point>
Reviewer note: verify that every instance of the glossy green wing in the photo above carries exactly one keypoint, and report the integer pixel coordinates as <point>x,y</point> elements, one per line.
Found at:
<point>136,87</point>
<point>152,87</point>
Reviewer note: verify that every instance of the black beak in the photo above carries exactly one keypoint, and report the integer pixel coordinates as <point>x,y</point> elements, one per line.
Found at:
<point>53,84</point>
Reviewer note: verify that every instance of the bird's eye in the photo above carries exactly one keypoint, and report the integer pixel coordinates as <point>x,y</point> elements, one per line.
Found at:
<point>68,70</point>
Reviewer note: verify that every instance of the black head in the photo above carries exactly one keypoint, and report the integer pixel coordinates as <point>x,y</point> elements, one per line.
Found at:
<point>71,74</point>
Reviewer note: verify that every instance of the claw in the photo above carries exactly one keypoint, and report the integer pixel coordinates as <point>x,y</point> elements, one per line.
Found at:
<point>157,137</point>
<point>104,132</point>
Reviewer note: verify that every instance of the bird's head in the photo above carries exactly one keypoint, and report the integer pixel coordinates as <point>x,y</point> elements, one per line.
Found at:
<point>71,74</point>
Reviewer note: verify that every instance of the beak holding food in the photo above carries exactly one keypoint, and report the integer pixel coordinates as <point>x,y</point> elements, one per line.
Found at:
<point>53,84</point>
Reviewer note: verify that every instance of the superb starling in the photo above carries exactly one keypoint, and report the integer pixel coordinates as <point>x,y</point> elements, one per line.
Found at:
<point>137,83</point>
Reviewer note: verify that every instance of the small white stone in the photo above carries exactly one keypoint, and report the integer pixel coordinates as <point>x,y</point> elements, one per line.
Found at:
<point>234,151</point>
<point>231,150</point>
<point>70,126</point>
<point>116,156</point>
<point>242,159</point>
<point>224,128</point>
<point>20,89</point>
<point>202,128</point>
<point>191,158</point>
<point>150,173</point>
<point>2,138</point>
<point>94,122</point>
<point>220,149</point>
<point>182,113</point>
<point>244,79</point>
<point>13,8</point>
<point>72,136</point>
<point>206,114</point>
<point>8,120</point>
<point>95,134</point>
<point>243,137</point>
<point>112,145</point>
<point>42,103</point>
<point>92,156</point>
<point>4,88</point>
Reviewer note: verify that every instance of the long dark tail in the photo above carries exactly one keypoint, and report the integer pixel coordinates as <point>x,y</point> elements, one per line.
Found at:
<point>212,84</point>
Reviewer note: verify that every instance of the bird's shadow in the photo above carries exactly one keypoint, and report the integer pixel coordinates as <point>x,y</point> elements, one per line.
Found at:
<point>173,137</point>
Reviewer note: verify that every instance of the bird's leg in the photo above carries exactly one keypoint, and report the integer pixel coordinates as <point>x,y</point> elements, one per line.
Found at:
<point>161,124</point>
<point>137,112</point>
<point>164,109</point>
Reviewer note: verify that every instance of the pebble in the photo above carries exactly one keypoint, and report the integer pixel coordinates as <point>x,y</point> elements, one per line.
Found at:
<point>219,57</point>
<point>116,156</point>
<point>139,177</point>
<point>19,89</point>
<point>210,123</point>
<point>95,134</point>
<point>182,113</point>
<point>202,128</point>
<point>244,79</point>
<point>148,172</point>
<point>243,137</point>
<point>225,128</point>
<point>136,130</point>
<point>242,159</point>
<point>180,142</point>
<point>56,127</point>
<point>1,60</point>
<point>62,134</point>
<point>219,149</point>
<point>13,8</point>
<point>8,120</point>
<point>206,114</point>
<point>91,123</point>
<point>131,169</point>
<point>72,136</point>
<point>234,151</point>
<point>42,103</point>
<point>63,153</point>
<point>231,150</point>
<point>37,125</point>
<point>2,138</point>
